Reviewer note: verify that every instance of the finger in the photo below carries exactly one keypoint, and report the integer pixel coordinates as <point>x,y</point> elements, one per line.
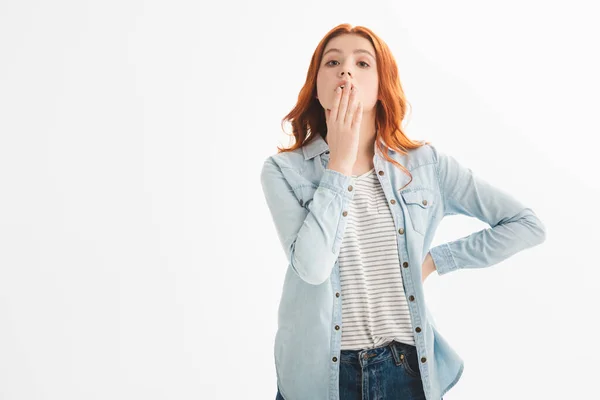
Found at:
<point>358,115</point>
<point>336,103</point>
<point>351,107</point>
<point>344,103</point>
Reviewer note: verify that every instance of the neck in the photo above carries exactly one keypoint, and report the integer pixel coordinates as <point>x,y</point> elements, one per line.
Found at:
<point>368,134</point>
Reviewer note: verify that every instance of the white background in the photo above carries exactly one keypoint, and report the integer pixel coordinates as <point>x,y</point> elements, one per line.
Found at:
<point>138,259</point>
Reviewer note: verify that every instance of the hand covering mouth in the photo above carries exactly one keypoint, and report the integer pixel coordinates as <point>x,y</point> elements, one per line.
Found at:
<point>342,84</point>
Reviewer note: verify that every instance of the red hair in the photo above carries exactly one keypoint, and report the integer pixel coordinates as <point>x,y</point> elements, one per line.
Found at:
<point>308,115</point>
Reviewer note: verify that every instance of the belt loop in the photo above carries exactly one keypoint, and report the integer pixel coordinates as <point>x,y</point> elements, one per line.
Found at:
<point>395,354</point>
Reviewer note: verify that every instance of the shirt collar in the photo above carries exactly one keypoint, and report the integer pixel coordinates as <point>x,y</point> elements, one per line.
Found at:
<point>316,146</point>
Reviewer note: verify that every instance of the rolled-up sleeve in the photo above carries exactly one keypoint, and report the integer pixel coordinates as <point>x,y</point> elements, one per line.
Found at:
<point>309,234</point>
<point>513,226</point>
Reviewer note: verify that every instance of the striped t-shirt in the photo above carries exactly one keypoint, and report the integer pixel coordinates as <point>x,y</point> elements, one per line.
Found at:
<point>374,306</point>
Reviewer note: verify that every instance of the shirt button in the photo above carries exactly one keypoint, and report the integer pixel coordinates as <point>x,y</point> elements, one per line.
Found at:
<point>423,359</point>
<point>301,202</point>
<point>345,213</point>
<point>337,327</point>
<point>405,264</point>
<point>424,202</point>
<point>393,201</point>
<point>337,294</point>
<point>401,231</point>
<point>334,359</point>
<point>411,298</point>
<point>418,329</point>
<point>381,173</point>
<point>350,188</point>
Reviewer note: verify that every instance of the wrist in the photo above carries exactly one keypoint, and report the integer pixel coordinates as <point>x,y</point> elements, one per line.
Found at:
<point>341,168</point>
<point>433,266</point>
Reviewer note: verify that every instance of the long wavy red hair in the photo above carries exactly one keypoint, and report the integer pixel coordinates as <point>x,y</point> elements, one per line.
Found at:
<point>308,115</point>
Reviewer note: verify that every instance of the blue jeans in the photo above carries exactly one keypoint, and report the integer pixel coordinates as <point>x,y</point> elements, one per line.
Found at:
<point>384,373</point>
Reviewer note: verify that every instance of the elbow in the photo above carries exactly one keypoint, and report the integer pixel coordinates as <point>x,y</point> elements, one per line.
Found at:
<point>309,271</point>
<point>536,227</point>
<point>541,231</point>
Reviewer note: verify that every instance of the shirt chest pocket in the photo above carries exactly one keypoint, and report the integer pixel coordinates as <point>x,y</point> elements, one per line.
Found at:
<point>419,205</point>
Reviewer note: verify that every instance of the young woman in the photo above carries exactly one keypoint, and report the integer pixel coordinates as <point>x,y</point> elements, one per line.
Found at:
<point>355,204</point>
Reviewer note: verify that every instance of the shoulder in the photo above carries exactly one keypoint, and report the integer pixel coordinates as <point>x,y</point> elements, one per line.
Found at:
<point>425,154</point>
<point>288,159</point>
<point>286,165</point>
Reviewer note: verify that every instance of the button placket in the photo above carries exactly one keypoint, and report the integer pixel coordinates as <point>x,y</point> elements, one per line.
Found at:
<point>405,265</point>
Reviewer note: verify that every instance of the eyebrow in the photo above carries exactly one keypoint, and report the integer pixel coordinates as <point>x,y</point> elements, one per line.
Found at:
<point>355,51</point>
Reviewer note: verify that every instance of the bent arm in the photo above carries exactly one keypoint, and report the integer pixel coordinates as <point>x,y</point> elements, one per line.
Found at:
<point>309,235</point>
<point>513,227</point>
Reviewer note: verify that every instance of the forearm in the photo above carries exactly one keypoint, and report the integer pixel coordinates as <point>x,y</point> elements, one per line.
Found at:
<point>310,232</point>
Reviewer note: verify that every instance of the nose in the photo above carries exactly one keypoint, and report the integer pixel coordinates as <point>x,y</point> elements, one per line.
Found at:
<point>342,75</point>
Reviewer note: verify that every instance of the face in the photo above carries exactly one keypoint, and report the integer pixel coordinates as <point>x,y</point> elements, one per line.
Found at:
<point>355,57</point>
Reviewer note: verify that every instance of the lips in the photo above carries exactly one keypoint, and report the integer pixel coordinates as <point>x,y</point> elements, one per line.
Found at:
<point>343,83</point>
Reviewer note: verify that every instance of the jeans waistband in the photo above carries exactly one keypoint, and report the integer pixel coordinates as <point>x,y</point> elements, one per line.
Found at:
<point>397,350</point>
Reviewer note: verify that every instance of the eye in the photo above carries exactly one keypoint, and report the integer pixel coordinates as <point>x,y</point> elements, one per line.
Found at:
<point>366,65</point>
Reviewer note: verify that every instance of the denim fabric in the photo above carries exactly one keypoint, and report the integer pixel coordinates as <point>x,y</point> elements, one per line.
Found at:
<point>389,372</point>
<point>308,203</point>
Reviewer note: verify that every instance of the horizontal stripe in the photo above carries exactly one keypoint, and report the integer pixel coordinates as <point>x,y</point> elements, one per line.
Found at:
<point>374,306</point>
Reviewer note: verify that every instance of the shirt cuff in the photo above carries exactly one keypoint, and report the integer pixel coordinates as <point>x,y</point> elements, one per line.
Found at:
<point>337,182</point>
<point>442,257</point>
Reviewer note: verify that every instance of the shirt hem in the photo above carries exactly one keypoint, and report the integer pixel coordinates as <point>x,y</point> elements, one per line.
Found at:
<point>455,381</point>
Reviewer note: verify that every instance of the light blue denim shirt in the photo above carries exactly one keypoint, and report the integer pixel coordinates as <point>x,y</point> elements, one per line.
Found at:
<point>309,203</point>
